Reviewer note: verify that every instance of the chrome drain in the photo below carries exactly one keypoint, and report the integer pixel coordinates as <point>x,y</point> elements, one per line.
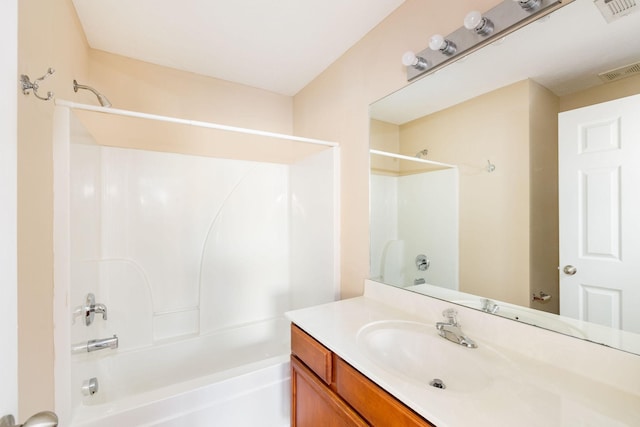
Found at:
<point>437,383</point>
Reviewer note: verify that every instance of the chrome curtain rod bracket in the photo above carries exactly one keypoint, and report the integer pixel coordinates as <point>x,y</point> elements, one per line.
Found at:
<point>28,85</point>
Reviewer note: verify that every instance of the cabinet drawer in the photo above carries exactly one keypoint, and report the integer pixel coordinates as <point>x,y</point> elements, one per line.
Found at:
<point>376,405</point>
<point>316,356</point>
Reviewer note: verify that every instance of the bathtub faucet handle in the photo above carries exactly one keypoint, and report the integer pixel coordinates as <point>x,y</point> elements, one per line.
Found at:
<point>91,308</point>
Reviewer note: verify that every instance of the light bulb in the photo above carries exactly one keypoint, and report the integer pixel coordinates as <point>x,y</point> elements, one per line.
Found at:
<point>472,20</point>
<point>438,42</point>
<point>529,5</point>
<point>476,22</point>
<point>409,59</point>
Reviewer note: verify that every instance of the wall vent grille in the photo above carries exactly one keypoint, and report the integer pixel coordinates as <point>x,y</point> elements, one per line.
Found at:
<point>616,9</point>
<point>620,73</point>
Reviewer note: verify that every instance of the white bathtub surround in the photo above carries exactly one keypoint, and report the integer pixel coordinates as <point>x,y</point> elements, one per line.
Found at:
<point>403,226</point>
<point>551,380</point>
<point>196,258</point>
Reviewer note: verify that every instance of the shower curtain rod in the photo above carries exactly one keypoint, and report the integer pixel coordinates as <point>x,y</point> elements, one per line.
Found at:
<point>413,159</point>
<point>128,113</point>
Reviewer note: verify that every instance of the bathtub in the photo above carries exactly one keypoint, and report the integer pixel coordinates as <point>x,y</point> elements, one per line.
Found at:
<point>237,377</point>
<point>195,282</point>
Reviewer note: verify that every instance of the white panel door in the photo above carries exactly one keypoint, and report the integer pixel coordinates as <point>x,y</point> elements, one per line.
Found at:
<point>599,185</point>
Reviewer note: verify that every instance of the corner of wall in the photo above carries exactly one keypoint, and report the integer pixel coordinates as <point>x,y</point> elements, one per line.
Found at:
<point>49,35</point>
<point>543,134</point>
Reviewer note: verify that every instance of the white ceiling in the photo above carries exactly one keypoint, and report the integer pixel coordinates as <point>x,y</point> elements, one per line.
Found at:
<point>276,45</point>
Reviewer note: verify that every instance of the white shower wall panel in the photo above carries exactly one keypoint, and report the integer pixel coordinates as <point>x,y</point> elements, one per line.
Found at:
<point>245,262</point>
<point>314,231</point>
<point>413,215</point>
<point>383,220</point>
<point>428,224</point>
<point>158,209</point>
<point>195,244</point>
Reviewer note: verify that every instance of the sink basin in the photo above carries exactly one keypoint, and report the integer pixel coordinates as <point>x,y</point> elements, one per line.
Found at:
<point>417,353</point>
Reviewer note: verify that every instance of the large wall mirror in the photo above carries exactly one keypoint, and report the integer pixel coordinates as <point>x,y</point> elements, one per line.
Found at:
<point>508,180</point>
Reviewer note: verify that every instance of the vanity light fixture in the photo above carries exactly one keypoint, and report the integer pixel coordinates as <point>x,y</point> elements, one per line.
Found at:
<point>479,29</point>
<point>409,59</point>
<point>529,5</point>
<point>474,21</point>
<point>446,46</point>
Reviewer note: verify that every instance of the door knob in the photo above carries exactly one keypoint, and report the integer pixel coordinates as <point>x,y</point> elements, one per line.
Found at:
<point>41,419</point>
<point>569,270</point>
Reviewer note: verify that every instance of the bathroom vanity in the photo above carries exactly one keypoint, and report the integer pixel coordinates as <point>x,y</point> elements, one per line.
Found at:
<point>326,390</point>
<point>375,359</point>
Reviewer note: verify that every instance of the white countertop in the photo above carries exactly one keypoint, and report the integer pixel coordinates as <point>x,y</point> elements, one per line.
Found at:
<point>525,392</point>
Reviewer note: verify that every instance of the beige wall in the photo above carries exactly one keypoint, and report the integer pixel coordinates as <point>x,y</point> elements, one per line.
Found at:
<point>384,137</point>
<point>610,91</point>
<point>494,207</point>
<point>543,149</point>
<point>140,86</point>
<point>48,36</point>
<point>335,107</point>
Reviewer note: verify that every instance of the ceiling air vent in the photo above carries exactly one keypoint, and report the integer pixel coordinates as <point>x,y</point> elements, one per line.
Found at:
<point>615,9</point>
<point>620,73</point>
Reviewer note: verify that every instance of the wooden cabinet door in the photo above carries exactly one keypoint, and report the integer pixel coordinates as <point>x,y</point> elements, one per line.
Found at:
<point>376,405</point>
<point>313,404</point>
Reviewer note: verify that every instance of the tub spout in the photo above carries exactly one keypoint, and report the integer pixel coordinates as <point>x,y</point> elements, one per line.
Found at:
<point>95,345</point>
<point>101,344</point>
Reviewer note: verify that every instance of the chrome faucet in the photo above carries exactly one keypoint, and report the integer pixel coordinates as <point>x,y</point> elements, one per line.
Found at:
<point>490,306</point>
<point>451,329</point>
<point>90,308</point>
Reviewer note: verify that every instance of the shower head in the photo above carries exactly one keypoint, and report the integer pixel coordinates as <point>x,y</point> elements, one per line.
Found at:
<point>101,98</point>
